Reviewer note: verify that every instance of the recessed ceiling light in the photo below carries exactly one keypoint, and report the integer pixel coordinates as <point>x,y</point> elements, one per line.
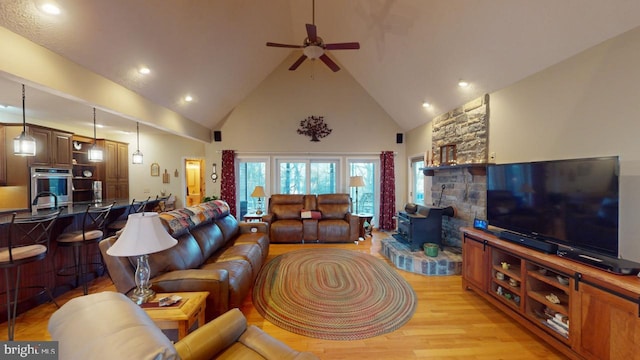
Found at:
<point>188,98</point>
<point>50,8</point>
<point>463,83</point>
<point>144,70</point>
<point>426,105</point>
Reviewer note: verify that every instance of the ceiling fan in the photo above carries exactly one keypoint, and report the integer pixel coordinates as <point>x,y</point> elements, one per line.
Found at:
<point>314,47</point>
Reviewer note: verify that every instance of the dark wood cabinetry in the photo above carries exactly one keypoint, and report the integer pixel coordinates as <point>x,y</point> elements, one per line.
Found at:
<point>116,170</point>
<point>84,171</point>
<point>584,312</point>
<point>53,147</point>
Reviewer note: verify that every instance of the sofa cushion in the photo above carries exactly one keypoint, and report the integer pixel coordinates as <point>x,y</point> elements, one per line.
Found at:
<point>288,231</point>
<point>229,227</point>
<point>209,238</point>
<point>286,211</point>
<point>334,206</point>
<point>240,281</point>
<point>186,254</point>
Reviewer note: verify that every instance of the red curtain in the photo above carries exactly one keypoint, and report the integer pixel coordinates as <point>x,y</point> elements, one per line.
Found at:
<point>387,191</point>
<point>228,179</point>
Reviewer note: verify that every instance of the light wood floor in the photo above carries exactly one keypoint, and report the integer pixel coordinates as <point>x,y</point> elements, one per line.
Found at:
<point>449,323</point>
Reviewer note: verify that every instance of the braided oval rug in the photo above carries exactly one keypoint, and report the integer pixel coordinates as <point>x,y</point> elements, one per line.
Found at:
<point>333,294</point>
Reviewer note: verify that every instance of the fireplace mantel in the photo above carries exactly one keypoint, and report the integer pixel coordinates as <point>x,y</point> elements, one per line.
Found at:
<point>473,168</point>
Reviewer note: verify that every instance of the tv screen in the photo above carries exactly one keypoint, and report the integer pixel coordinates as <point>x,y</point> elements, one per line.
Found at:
<point>569,202</point>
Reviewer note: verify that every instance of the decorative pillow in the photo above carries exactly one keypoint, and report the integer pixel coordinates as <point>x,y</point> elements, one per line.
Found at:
<point>310,214</point>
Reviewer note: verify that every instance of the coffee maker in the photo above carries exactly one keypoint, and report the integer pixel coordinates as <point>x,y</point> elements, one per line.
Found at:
<point>97,191</point>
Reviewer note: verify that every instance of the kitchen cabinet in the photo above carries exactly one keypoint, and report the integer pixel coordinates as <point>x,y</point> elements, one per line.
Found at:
<point>53,147</point>
<point>84,171</point>
<point>116,170</point>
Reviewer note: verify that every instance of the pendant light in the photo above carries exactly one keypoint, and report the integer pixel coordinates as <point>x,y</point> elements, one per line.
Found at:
<point>24,145</point>
<point>95,153</point>
<point>137,156</point>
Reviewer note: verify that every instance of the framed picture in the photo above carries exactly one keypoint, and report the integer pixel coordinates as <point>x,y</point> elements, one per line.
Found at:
<point>155,169</point>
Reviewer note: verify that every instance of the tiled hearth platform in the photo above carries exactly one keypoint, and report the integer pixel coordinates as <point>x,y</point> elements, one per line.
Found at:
<point>448,261</point>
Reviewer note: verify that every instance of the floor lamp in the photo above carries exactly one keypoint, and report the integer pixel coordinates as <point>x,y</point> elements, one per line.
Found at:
<point>356,182</point>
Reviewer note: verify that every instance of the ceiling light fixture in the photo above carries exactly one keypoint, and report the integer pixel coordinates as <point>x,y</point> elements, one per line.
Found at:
<point>426,105</point>
<point>24,145</point>
<point>463,83</point>
<point>50,8</point>
<point>188,98</point>
<point>144,70</point>
<point>137,156</point>
<point>95,153</point>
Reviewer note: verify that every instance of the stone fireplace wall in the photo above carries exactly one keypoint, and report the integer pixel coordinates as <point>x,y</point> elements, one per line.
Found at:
<point>467,127</point>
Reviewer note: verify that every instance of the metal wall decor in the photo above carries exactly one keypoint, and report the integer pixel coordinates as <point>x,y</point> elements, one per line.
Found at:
<point>314,127</point>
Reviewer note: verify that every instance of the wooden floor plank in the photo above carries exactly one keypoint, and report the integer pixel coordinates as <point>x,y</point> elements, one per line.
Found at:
<point>449,323</point>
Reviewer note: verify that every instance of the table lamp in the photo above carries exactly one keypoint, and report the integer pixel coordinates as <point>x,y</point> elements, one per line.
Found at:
<point>258,192</point>
<point>142,235</point>
<point>356,182</point>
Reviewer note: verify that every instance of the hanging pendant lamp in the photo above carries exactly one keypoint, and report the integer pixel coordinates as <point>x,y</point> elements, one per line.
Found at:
<point>95,153</point>
<point>137,156</point>
<point>24,145</point>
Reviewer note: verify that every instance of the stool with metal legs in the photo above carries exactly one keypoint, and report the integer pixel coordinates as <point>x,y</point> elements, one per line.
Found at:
<point>27,241</point>
<point>93,225</point>
<point>118,224</point>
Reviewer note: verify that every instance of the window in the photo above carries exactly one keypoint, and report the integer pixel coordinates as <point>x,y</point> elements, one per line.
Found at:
<point>251,173</point>
<point>308,176</point>
<point>417,181</point>
<point>366,200</point>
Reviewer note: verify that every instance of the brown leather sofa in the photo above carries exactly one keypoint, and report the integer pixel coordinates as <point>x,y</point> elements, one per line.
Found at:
<point>108,325</point>
<point>214,253</point>
<point>335,222</point>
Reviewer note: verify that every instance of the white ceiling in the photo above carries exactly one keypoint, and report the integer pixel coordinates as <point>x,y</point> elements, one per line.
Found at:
<point>411,50</point>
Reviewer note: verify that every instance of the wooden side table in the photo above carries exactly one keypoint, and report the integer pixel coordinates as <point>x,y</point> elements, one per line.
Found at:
<point>363,233</point>
<point>252,217</point>
<point>180,316</point>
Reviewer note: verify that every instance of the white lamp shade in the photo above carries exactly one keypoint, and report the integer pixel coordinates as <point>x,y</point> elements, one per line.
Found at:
<point>313,51</point>
<point>258,192</point>
<point>356,181</point>
<point>143,234</point>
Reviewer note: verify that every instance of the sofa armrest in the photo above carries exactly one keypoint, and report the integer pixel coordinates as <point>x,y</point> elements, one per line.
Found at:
<point>261,227</point>
<point>212,338</point>
<point>354,226</point>
<point>215,281</point>
<point>270,347</point>
<point>268,218</point>
<point>121,271</point>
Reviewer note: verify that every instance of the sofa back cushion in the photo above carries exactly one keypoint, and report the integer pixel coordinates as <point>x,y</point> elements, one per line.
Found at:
<point>186,254</point>
<point>334,206</point>
<point>286,206</point>
<point>229,227</point>
<point>209,237</point>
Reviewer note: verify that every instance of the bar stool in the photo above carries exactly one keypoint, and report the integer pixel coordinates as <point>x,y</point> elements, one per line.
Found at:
<point>27,241</point>
<point>118,224</point>
<point>94,223</point>
<point>160,203</point>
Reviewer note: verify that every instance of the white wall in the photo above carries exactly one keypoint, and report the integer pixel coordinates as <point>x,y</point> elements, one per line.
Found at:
<point>585,106</point>
<point>267,120</point>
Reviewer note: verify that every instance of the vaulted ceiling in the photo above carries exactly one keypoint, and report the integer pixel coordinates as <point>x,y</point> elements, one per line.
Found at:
<point>411,50</point>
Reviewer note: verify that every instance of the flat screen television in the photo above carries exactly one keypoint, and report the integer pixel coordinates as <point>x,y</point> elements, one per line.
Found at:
<point>568,202</point>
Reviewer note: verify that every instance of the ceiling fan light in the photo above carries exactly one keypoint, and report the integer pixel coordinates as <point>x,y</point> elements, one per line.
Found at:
<point>313,51</point>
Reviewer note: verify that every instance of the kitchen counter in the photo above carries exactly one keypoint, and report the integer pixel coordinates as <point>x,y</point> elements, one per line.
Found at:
<point>75,209</point>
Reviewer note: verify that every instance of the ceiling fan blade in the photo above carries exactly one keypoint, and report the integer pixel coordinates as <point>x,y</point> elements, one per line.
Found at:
<point>332,65</point>
<point>300,60</point>
<point>284,45</point>
<point>343,46</point>
<point>312,33</point>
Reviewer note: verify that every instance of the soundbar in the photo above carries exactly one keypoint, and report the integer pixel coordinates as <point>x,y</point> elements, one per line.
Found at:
<point>535,244</point>
<point>603,262</point>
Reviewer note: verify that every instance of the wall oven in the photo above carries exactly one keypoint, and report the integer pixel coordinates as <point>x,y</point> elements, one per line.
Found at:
<point>51,185</point>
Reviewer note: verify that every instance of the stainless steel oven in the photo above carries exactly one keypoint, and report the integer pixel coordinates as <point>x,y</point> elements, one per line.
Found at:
<point>50,186</point>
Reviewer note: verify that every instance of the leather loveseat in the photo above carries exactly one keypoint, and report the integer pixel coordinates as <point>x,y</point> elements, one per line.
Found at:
<point>330,222</point>
<point>214,253</point>
<point>108,325</point>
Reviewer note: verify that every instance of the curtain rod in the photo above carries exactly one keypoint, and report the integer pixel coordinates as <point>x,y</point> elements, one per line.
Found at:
<point>304,153</point>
